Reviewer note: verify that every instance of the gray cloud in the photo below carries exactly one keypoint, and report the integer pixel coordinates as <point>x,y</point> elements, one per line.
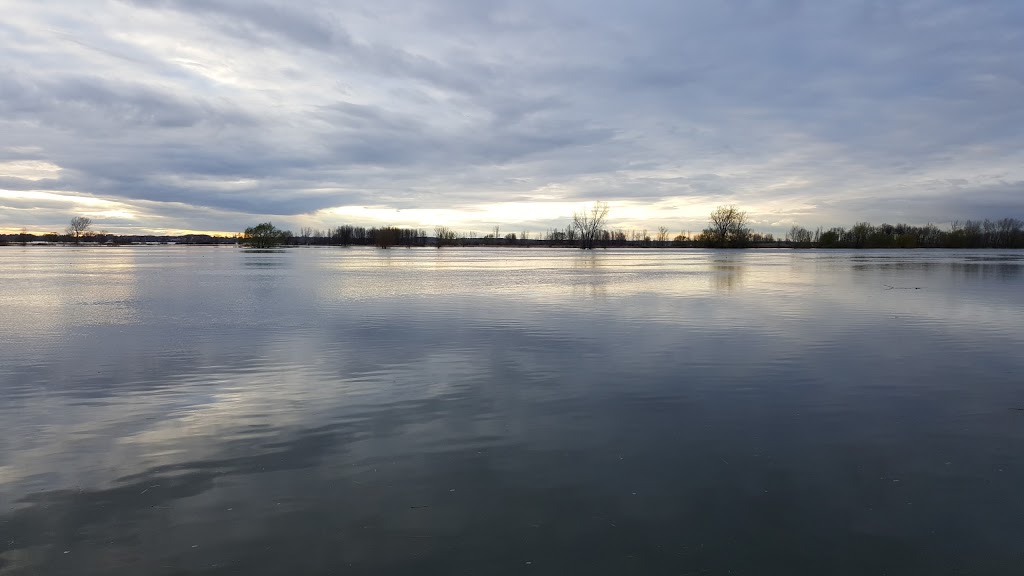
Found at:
<point>822,113</point>
<point>250,20</point>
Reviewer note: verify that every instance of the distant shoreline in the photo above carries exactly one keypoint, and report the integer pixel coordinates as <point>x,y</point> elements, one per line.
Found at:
<point>781,245</point>
<point>727,229</point>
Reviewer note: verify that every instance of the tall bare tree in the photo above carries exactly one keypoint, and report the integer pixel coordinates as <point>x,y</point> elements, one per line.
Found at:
<point>79,225</point>
<point>588,224</point>
<point>728,227</point>
<point>662,236</point>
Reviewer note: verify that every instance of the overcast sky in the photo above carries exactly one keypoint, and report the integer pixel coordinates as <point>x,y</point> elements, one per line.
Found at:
<point>213,115</point>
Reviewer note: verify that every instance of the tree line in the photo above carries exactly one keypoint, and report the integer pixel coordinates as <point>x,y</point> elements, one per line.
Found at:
<point>1002,233</point>
<point>727,228</point>
<point>347,235</point>
<point>107,239</point>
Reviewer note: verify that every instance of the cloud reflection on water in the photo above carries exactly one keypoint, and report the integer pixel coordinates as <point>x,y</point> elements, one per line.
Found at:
<point>520,397</point>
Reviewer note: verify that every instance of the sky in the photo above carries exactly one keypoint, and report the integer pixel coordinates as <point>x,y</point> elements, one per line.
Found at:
<point>172,116</point>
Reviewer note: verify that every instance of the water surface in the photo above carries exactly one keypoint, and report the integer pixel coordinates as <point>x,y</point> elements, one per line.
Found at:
<point>175,410</point>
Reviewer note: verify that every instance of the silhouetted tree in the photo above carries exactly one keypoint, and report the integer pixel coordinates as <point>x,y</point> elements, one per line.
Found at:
<point>662,236</point>
<point>79,225</point>
<point>445,236</point>
<point>343,235</point>
<point>555,237</point>
<point>800,236</point>
<point>385,237</point>
<point>1008,233</point>
<point>860,234</point>
<point>588,224</point>
<point>264,235</point>
<point>727,228</point>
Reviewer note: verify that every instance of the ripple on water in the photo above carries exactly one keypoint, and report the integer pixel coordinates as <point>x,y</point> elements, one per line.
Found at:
<point>409,411</point>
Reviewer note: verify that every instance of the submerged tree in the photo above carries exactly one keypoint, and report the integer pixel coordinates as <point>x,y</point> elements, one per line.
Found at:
<point>264,235</point>
<point>79,225</point>
<point>386,236</point>
<point>588,224</point>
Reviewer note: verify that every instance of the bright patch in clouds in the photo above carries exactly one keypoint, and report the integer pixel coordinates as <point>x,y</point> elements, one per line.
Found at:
<point>29,169</point>
<point>159,115</point>
<point>84,202</point>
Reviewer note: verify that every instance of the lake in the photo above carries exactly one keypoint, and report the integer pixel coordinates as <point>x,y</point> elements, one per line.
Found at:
<point>201,410</point>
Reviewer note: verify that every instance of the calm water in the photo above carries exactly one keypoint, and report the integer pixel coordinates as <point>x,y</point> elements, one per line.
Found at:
<point>171,410</point>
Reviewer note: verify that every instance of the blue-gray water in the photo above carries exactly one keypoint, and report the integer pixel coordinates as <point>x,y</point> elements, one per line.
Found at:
<point>172,410</point>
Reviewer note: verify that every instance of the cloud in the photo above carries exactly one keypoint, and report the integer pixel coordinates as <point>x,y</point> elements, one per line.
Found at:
<point>822,113</point>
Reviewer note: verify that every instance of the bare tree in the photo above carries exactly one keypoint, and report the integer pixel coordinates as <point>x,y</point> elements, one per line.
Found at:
<point>728,227</point>
<point>445,235</point>
<point>589,223</point>
<point>305,233</point>
<point>79,225</point>
<point>662,236</point>
<point>343,234</point>
<point>799,235</point>
<point>1007,229</point>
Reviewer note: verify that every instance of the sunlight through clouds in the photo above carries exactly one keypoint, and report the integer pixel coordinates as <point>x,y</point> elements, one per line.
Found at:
<point>29,169</point>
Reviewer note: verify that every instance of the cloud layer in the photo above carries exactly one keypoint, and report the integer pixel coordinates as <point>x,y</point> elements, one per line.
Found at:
<point>167,115</point>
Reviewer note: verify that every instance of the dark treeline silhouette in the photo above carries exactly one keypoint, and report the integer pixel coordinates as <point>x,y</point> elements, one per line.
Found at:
<point>107,239</point>
<point>727,228</point>
<point>384,237</point>
<point>347,235</point>
<point>1003,233</point>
